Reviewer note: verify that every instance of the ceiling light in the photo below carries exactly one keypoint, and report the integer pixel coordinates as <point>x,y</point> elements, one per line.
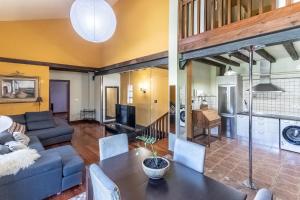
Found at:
<point>93,20</point>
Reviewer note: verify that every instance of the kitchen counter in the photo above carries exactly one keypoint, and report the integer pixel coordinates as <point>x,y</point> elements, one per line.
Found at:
<point>284,117</point>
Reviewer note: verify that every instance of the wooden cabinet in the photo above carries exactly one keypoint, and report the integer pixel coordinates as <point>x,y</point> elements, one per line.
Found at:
<point>265,130</point>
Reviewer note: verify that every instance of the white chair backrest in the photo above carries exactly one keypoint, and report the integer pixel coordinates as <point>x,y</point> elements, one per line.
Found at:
<point>171,141</point>
<point>264,194</point>
<point>103,187</point>
<point>190,154</point>
<point>113,146</point>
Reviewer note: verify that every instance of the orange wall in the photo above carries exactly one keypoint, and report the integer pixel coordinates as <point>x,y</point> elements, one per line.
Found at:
<point>142,29</point>
<point>47,40</point>
<point>155,81</point>
<point>26,70</point>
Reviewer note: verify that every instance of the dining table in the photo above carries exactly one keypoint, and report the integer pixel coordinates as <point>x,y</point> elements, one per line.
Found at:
<point>179,183</point>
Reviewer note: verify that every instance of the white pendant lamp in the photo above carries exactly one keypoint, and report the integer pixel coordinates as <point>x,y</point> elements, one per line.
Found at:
<point>93,20</point>
<point>5,123</point>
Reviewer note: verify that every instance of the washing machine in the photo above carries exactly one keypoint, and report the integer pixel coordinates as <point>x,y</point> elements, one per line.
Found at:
<point>290,135</point>
<point>182,116</point>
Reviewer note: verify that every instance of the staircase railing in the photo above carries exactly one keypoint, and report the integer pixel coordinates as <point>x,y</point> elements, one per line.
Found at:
<point>157,130</point>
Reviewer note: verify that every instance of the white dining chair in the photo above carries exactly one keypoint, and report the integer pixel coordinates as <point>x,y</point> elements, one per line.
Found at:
<point>264,194</point>
<point>189,154</point>
<point>103,187</point>
<point>113,146</point>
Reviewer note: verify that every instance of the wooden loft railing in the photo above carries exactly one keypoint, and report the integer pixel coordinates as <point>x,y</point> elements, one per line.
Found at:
<point>157,130</point>
<point>196,17</point>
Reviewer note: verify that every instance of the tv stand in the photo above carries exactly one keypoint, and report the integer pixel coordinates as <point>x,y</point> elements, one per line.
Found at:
<point>116,128</point>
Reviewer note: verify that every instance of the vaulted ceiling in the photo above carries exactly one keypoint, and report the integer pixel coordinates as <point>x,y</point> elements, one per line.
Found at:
<point>17,10</point>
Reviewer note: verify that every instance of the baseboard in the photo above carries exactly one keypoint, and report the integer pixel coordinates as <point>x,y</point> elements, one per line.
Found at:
<point>85,121</point>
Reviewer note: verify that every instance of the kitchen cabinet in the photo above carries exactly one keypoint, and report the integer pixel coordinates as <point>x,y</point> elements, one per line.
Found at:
<point>265,130</point>
<point>242,126</point>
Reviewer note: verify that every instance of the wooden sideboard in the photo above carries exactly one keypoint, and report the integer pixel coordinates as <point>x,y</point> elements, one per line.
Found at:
<point>206,119</point>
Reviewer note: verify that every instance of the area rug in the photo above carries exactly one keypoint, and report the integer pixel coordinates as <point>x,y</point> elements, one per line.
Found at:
<point>81,196</point>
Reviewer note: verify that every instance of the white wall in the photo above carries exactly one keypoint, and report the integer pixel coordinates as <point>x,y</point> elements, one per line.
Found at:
<point>110,80</point>
<point>204,79</point>
<point>285,67</point>
<point>285,73</point>
<point>81,90</point>
<point>201,77</point>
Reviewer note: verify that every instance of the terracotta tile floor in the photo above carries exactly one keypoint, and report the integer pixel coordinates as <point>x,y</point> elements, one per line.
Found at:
<point>227,162</point>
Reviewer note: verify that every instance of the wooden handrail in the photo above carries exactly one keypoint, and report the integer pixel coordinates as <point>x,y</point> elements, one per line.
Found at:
<point>157,130</point>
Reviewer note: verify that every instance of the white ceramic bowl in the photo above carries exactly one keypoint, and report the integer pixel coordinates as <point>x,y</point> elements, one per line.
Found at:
<point>156,173</point>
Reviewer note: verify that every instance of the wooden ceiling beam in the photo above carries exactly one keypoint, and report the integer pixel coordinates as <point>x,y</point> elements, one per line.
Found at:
<point>290,48</point>
<point>226,61</point>
<point>52,66</point>
<point>242,57</point>
<point>263,53</point>
<point>210,62</point>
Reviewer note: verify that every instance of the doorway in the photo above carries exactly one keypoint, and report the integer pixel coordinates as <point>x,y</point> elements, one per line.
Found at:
<point>59,98</point>
<point>111,99</point>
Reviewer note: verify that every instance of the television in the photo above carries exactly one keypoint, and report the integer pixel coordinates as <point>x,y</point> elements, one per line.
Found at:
<point>125,115</point>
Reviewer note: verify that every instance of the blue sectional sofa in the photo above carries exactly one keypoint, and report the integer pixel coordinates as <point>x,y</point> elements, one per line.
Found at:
<point>57,170</point>
<point>50,130</point>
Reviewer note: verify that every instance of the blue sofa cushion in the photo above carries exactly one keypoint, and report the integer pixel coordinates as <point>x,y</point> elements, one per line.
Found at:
<point>38,116</point>
<point>39,120</point>
<point>32,126</point>
<point>6,137</point>
<point>72,162</point>
<point>44,134</point>
<point>35,144</point>
<point>19,119</point>
<point>4,149</point>
<point>47,162</point>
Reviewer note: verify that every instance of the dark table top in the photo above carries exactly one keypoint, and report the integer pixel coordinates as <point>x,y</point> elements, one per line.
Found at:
<point>180,182</point>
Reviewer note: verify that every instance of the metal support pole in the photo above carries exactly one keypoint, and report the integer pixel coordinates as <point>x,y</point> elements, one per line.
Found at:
<point>249,183</point>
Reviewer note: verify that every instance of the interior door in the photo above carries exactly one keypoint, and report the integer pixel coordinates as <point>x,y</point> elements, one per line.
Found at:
<point>111,99</point>
<point>59,98</point>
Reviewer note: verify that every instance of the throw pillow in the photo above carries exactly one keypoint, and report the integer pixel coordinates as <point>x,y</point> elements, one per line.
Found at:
<point>6,137</point>
<point>15,146</point>
<point>4,150</point>
<point>16,127</point>
<point>20,137</point>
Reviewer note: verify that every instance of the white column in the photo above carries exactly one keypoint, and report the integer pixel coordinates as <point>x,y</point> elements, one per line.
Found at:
<point>176,77</point>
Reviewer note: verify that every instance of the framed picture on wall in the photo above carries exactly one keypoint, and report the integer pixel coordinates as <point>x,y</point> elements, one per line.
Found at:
<point>18,89</point>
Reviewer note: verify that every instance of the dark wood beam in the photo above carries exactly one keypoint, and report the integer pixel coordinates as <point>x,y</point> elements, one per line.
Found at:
<point>242,57</point>
<point>289,47</point>
<point>53,66</point>
<point>154,60</point>
<point>210,62</point>
<point>263,53</point>
<point>163,67</point>
<point>226,61</point>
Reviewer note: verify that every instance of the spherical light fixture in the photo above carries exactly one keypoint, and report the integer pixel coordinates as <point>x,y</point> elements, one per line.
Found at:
<point>93,20</point>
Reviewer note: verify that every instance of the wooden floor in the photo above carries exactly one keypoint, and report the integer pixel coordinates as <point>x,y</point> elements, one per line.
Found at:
<point>226,161</point>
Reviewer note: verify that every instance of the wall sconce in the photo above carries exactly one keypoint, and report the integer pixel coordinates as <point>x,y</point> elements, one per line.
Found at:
<point>143,90</point>
<point>143,87</point>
